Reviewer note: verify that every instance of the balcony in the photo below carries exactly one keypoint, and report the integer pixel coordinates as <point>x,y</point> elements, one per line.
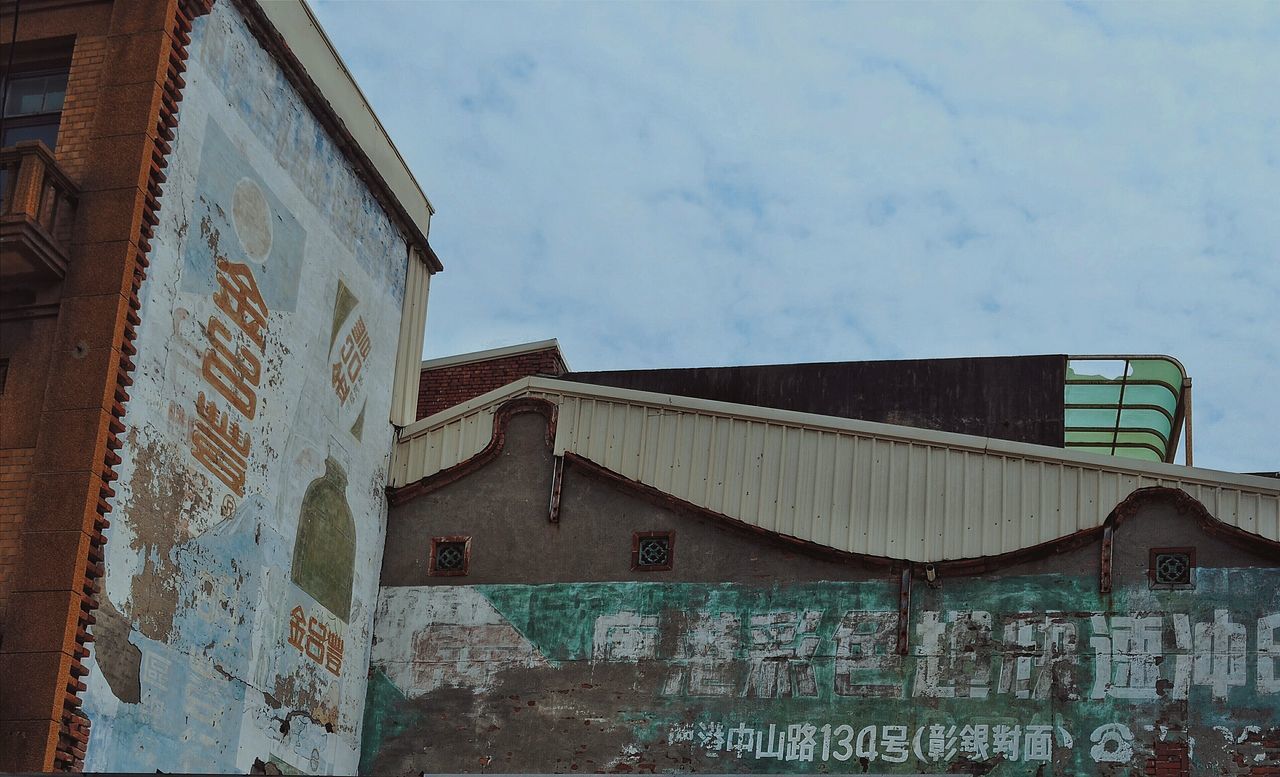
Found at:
<point>37,208</point>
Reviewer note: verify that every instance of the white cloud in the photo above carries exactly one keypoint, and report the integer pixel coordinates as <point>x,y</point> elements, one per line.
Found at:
<point>669,185</point>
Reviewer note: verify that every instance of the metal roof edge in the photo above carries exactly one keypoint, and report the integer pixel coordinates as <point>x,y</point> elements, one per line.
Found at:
<point>1115,356</point>
<point>911,434</point>
<point>426,423</point>
<point>494,353</point>
<point>907,434</point>
<point>307,42</point>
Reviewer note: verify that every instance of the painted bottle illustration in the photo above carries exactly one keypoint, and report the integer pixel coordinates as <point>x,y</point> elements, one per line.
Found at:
<point>324,552</point>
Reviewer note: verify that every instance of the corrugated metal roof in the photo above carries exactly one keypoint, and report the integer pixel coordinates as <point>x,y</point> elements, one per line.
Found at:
<point>856,486</point>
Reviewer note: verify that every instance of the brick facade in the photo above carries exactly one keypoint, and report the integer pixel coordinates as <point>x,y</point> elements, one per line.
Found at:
<point>81,105</point>
<point>1269,746</point>
<point>1172,759</point>
<point>15,474</point>
<point>443,387</point>
<point>114,137</point>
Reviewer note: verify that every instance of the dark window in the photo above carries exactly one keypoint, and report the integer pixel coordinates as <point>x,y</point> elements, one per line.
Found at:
<point>1172,568</point>
<point>450,556</point>
<point>33,107</point>
<point>652,551</point>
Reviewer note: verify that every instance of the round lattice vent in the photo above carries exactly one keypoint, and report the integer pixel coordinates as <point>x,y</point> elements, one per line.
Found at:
<point>449,556</point>
<point>1173,569</point>
<point>653,552</point>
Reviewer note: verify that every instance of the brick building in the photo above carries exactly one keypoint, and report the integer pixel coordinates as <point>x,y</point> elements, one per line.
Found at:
<point>452,380</point>
<point>215,270</point>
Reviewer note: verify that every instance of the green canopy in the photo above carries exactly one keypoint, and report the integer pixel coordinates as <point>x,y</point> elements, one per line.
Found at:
<point>1124,405</point>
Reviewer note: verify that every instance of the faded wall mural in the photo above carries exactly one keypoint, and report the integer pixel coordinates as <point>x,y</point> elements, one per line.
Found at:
<point>250,512</point>
<point>804,678</point>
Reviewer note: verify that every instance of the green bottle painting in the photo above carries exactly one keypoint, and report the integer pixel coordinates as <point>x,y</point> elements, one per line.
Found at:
<point>324,553</point>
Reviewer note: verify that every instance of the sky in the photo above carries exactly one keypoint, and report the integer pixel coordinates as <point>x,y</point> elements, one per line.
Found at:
<point>697,184</point>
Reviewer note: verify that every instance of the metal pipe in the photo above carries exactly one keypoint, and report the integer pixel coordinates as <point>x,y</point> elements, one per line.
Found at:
<point>1124,381</point>
<point>1186,420</point>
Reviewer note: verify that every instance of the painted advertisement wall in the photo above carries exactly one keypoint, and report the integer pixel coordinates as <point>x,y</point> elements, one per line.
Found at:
<point>247,532</point>
<point>805,678</point>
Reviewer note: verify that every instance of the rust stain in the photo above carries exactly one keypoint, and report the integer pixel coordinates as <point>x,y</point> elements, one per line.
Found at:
<point>164,494</point>
<point>550,714</point>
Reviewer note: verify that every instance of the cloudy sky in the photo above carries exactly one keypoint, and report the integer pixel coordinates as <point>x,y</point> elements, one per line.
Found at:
<point>666,185</point>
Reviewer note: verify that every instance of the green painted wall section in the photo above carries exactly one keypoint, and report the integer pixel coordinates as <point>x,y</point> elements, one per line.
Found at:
<point>560,619</point>
<point>1030,675</point>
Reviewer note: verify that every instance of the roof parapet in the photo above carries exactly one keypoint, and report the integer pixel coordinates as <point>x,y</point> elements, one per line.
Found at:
<point>495,353</point>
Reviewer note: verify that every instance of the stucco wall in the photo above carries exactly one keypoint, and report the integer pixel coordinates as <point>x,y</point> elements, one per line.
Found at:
<point>750,655</point>
<point>249,518</point>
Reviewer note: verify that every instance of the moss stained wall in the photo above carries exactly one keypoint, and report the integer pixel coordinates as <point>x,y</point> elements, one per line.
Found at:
<point>1029,675</point>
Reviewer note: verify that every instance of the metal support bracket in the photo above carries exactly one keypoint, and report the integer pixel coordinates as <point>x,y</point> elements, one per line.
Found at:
<point>557,478</point>
<point>1104,582</point>
<point>904,611</point>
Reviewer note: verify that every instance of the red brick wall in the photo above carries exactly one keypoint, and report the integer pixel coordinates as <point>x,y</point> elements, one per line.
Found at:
<point>1172,759</point>
<point>116,143</point>
<point>81,103</point>
<point>15,472</point>
<point>1270,767</point>
<point>444,387</point>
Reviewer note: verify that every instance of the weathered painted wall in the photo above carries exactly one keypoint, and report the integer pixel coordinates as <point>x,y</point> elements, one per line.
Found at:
<point>250,512</point>
<point>1032,675</point>
<point>555,654</point>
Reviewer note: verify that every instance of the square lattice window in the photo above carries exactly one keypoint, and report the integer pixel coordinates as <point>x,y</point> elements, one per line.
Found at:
<point>450,556</point>
<point>1172,568</point>
<point>652,551</point>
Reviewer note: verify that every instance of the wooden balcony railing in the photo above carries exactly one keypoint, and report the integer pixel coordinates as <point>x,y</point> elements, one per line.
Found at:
<point>37,208</point>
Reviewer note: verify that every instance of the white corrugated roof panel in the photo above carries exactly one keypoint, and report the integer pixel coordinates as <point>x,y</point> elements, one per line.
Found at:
<point>855,486</point>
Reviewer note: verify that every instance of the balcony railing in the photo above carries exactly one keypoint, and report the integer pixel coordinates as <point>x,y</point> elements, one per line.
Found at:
<point>37,208</point>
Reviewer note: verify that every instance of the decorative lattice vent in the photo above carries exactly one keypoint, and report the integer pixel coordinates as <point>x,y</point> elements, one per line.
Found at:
<point>652,551</point>
<point>450,555</point>
<point>1172,567</point>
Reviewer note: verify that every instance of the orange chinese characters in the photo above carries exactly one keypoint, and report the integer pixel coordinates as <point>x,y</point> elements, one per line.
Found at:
<point>340,385</point>
<point>333,657</point>
<point>316,641</point>
<point>239,298</point>
<point>360,334</point>
<point>297,627</point>
<point>234,370</point>
<point>317,635</point>
<point>218,444</point>
<point>351,357</point>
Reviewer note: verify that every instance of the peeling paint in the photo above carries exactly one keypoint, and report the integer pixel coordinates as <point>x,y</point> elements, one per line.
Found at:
<point>120,660</point>
<point>805,677</point>
<point>216,538</point>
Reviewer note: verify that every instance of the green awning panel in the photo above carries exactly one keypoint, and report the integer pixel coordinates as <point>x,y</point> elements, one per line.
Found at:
<point>1124,405</point>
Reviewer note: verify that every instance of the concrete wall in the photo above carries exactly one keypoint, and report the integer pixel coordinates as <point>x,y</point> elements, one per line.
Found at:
<point>1007,397</point>
<point>236,615</point>
<point>753,655</point>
